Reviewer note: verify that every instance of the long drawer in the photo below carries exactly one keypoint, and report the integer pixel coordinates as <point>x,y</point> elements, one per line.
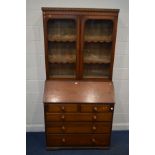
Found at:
<point>78,117</point>
<point>78,127</point>
<point>57,140</point>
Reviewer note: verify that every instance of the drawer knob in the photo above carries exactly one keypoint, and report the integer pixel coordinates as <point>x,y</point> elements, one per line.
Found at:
<point>111,108</point>
<point>93,140</point>
<point>94,117</point>
<point>105,108</point>
<point>62,117</point>
<point>63,140</point>
<point>95,108</point>
<point>63,128</point>
<point>63,108</point>
<point>94,128</point>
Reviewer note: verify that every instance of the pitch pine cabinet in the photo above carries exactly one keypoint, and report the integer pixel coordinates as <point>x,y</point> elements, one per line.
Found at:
<point>79,94</point>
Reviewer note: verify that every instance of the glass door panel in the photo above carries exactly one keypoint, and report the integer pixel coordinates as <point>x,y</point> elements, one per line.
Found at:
<point>62,48</point>
<point>97,47</point>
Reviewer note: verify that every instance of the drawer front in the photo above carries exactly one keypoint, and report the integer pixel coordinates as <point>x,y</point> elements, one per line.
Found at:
<point>79,117</point>
<point>78,140</point>
<point>96,108</point>
<point>61,108</point>
<point>78,127</point>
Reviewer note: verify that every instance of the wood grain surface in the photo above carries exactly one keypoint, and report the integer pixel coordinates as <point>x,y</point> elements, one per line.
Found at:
<point>78,92</point>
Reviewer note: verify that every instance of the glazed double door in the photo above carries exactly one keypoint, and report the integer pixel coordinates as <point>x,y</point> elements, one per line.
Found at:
<point>79,47</point>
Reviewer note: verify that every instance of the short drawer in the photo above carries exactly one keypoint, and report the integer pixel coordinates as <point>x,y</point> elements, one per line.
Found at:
<point>96,108</point>
<point>60,108</point>
<point>79,117</point>
<point>78,140</point>
<point>78,127</point>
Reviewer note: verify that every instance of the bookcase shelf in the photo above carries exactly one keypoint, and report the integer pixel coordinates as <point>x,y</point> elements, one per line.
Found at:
<point>100,39</point>
<point>97,59</point>
<point>62,38</point>
<point>57,58</point>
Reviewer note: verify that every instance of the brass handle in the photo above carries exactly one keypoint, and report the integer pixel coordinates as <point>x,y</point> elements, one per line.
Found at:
<point>94,128</point>
<point>63,127</point>
<point>49,16</point>
<point>105,108</point>
<point>62,117</point>
<point>93,140</point>
<point>111,108</point>
<point>94,117</point>
<point>63,108</point>
<point>95,108</point>
<point>63,140</point>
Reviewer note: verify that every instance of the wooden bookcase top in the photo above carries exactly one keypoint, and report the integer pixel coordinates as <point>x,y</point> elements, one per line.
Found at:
<point>79,43</point>
<point>79,9</point>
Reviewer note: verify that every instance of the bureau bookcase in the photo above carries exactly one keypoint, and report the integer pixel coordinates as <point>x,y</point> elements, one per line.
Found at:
<point>79,94</point>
